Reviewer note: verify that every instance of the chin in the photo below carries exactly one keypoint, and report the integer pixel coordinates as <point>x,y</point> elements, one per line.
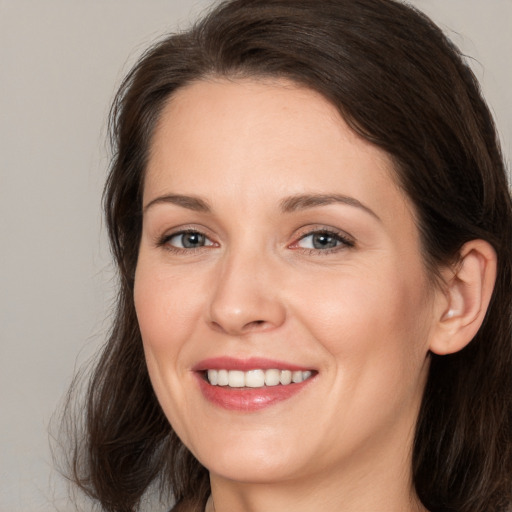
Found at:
<point>252,459</point>
<point>262,468</point>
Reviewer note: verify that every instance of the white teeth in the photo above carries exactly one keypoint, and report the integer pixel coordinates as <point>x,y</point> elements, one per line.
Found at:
<point>272,377</point>
<point>222,378</point>
<point>286,377</point>
<point>256,378</point>
<point>236,379</point>
<point>213,377</point>
<point>297,377</point>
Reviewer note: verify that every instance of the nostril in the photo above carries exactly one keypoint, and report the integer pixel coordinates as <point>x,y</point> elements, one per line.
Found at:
<point>255,324</point>
<point>250,326</point>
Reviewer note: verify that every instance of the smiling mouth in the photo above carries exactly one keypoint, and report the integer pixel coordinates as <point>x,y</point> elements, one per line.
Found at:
<point>257,378</point>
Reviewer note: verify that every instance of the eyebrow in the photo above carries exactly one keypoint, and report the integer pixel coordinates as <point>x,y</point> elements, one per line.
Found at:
<point>189,202</point>
<point>305,201</point>
<point>288,205</point>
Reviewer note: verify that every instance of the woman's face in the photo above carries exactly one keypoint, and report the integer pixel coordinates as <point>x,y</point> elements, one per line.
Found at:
<point>276,240</point>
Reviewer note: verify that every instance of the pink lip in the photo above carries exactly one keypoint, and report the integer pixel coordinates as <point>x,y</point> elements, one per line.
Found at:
<point>253,363</point>
<point>246,399</point>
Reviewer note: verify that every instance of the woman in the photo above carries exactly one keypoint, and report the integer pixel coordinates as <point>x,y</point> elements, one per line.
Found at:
<point>311,219</point>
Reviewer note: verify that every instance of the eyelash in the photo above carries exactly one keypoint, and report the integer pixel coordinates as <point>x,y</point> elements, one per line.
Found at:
<point>164,242</point>
<point>343,242</point>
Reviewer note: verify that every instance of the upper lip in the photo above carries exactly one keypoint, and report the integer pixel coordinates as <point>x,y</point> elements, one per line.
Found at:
<point>252,363</point>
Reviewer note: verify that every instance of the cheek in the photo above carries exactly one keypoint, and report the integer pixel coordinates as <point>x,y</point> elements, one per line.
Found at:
<point>167,314</point>
<point>380,314</point>
<point>167,307</point>
<point>375,331</point>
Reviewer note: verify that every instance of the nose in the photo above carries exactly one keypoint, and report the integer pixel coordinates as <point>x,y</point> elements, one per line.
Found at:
<point>246,296</point>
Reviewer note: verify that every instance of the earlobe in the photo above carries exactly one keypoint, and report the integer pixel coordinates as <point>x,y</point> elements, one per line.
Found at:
<point>466,295</point>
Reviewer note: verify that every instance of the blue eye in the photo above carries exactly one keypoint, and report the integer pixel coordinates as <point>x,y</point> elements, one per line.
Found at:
<point>188,240</point>
<point>323,240</point>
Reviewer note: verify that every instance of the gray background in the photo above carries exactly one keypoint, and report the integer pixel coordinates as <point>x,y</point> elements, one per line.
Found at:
<point>60,63</point>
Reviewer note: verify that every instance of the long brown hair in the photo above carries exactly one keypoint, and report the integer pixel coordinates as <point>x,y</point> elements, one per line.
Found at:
<point>400,84</point>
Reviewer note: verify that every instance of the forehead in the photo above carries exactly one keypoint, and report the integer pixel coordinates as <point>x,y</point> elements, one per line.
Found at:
<point>226,137</point>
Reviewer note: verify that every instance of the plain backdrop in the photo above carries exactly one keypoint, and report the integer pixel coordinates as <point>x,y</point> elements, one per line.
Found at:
<point>60,63</point>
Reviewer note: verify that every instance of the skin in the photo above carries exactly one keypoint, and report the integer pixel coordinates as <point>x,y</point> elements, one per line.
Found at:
<point>362,314</point>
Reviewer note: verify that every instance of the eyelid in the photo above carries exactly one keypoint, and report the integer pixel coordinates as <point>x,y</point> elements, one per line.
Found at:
<point>163,240</point>
<point>347,241</point>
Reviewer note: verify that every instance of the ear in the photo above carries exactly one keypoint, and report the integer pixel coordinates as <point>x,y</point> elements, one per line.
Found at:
<point>463,302</point>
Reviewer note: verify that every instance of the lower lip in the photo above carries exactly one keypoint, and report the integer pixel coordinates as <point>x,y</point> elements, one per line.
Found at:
<point>248,399</point>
